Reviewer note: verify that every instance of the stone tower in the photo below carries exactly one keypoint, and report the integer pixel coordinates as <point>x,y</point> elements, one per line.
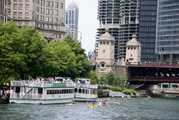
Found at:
<point>133,50</point>
<point>105,60</point>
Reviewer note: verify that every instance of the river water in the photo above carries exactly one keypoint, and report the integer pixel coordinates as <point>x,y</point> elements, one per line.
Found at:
<point>133,109</point>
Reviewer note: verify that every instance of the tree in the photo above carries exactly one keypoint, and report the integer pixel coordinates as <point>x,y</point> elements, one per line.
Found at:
<point>11,50</point>
<point>35,54</point>
<point>94,77</point>
<point>83,66</point>
<point>119,81</point>
<point>64,57</point>
<point>110,78</point>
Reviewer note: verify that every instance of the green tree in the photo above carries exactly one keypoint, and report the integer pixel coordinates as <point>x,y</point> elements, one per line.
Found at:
<point>94,77</point>
<point>64,57</point>
<point>83,66</point>
<point>35,54</point>
<point>119,81</point>
<point>11,50</point>
<point>110,78</point>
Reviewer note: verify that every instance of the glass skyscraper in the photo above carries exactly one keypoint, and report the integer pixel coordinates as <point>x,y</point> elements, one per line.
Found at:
<point>167,34</point>
<point>147,29</point>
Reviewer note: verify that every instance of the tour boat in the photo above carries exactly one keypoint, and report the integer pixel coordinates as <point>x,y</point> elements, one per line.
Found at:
<point>168,90</point>
<point>41,93</point>
<point>85,92</point>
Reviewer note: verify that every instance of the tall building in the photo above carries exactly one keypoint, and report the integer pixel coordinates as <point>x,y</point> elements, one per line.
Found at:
<point>108,16</point>
<point>3,16</point>
<point>71,20</point>
<point>129,24</point>
<point>46,15</point>
<point>125,18</point>
<point>147,29</point>
<point>167,37</point>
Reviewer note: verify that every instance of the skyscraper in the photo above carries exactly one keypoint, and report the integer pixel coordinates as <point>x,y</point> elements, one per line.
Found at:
<point>167,37</point>
<point>71,20</point>
<point>46,15</point>
<point>3,16</point>
<point>147,29</point>
<point>125,18</point>
<point>108,16</point>
<point>129,24</point>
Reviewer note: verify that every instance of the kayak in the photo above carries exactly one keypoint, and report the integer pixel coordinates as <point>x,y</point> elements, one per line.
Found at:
<point>92,106</point>
<point>117,103</point>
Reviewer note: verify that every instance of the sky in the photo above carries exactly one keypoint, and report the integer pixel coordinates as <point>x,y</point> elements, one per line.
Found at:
<point>88,22</point>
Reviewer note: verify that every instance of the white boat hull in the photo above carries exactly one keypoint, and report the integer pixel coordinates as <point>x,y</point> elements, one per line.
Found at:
<point>41,101</point>
<point>85,98</point>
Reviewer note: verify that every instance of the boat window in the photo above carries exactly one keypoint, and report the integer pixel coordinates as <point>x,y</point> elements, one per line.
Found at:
<point>79,90</point>
<point>40,91</point>
<point>17,89</point>
<point>83,90</point>
<point>60,91</point>
<point>75,90</point>
<point>86,91</point>
<point>48,91</point>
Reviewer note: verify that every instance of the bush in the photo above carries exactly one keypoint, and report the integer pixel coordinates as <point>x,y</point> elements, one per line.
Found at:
<point>102,87</point>
<point>116,89</point>
<point>129,92</point>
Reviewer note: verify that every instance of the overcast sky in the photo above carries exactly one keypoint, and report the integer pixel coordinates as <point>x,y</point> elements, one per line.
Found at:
<point>88,22</point>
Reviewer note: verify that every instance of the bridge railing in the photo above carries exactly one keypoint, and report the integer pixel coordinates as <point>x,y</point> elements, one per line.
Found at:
<point>169,89</point>
<point>151,64</point>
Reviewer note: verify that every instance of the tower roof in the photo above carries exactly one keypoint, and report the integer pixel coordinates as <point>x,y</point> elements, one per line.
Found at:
<point>133,42</point>
<point>106,36</point>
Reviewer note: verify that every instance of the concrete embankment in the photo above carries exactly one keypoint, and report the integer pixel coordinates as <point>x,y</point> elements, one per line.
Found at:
<point>110,93</point>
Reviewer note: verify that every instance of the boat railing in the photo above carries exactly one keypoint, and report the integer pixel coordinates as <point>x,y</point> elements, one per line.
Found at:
<point>23,96</point>
<point>79,85</point>
<point>41,84</point>
<point>171,89</point>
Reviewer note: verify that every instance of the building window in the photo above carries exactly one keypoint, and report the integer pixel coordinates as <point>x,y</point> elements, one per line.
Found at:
<point>48,3</point>
<point>100,43</point>
<point>15,6</point>
<point>20,14</point>
<point>55,35</point>
<point>103,51</point>
<point>19,23</point>
<point>61,5</point>
<point>27,0</point>
<point>56,20</point>
<point>59,36</point>
<point>40,10</point>
<point>20,0</point>
<point>43,18</point>
<point>103,43</point>
<point>56,12</point>
<point>50,27</point>
<point>14,14</point>
<point>55,27</point>
<point>47,19</point>
<point>27,6</point>
<point>26,15</point>
<point>20,6</point>
<point>47,26</point>
<point>26,22</point>
<point>47,11</point>
<point>51,19</point>
<point>56,4</point>
<point>51,4</point>
<point>107,43</point>
<point>51,12</point>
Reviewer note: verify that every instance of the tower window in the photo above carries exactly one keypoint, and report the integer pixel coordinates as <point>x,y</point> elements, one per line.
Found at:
<point>103,51</point>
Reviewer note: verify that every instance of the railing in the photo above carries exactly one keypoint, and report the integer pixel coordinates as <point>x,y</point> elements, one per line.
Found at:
<point>23,96</point>
<point>151,64</point>
<point>169,89</point>
<point>39,84</point>
<point>77,85</point>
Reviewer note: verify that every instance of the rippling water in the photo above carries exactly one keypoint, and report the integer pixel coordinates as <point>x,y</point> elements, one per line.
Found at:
<point>134,109</point>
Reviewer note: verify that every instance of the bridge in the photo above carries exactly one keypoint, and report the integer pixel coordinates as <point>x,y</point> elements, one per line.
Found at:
<point>152,73</point>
